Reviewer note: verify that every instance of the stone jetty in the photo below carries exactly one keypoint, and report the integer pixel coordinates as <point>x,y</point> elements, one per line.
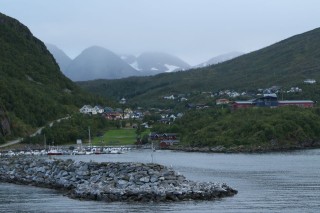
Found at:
<point>109,181</point>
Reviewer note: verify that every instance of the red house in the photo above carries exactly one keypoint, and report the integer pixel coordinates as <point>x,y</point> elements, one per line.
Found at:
<point>167,143</point>
<point>242,104</point>
<point>299,103</point>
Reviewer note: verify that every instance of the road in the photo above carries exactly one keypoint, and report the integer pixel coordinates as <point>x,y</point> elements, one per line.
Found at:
<point>37,132</point>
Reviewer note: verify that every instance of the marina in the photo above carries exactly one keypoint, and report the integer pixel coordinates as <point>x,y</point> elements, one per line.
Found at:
<point>86,150</point>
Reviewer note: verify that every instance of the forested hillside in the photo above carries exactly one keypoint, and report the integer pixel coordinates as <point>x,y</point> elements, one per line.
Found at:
<point>252,129</point>
<point>33,89</point>
<point>286,63</point>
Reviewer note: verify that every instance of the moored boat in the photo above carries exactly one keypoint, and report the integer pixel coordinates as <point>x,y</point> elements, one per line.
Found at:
<point>54,152</point>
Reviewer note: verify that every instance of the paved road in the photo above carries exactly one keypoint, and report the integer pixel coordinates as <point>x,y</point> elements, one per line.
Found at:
<point>9,143</point>
<point>18,140</point>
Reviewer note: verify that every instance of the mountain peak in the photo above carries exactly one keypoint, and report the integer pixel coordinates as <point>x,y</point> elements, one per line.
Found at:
<point>149,63</point>
<point>97,62</point>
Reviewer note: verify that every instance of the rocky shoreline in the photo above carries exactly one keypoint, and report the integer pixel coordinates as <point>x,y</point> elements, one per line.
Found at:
<point>247,149</point>
<point>109,181</point>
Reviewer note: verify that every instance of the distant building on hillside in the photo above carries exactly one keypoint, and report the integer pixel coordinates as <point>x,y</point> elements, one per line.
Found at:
<point>123,101</point>
<point>165,140</point>
<point>171,97</point>
<point>271,102</point>
<point>222,101</point>
<point>299,103</point>
<point>309,81</point>
<point>86,109</point>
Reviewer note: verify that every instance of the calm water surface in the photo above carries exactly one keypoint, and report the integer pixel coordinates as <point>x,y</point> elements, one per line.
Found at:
<point>277,182</point>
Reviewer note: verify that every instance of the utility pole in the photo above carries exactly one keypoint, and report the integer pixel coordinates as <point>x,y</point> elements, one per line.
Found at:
<point>45,142</point>
<point>89,137</point>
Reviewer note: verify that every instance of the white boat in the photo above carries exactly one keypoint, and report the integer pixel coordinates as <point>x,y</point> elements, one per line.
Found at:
<point>116,151</point>
<point>53,151</point>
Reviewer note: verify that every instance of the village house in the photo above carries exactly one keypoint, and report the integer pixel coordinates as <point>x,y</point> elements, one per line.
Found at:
<point>299,103</point>
<point>165,121</point>
<point>86,109</point>
<point>123,101</point>
<point>98,109</point>
<point>294,90</point>
<point>166,143</point>
<point>172,117</point>
<point>108,109</point>
<point>271,102</point>
<point>163,136</point>
<point>171,97</point>
<point>222,101</point>
<point>113,115</point>
<point>165,140</point>
<point>145,125</point>
<point>309,81</point>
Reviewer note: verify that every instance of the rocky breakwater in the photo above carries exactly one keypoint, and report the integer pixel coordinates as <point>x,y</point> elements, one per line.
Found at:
<point>109,181</point>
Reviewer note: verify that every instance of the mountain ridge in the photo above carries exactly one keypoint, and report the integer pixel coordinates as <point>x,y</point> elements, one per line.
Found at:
<point>285,63</point>
<point>109,67</point>
<point>219,59</point>
<point>158,62</point>
<point>146,63</point>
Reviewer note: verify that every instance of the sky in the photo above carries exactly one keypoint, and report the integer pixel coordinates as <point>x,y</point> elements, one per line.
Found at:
<point>194,30</point>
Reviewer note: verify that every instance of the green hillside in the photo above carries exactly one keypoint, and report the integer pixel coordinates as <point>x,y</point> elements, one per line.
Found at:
<point>255,129</point>
<point>286,63</point>
<point>33,89</point>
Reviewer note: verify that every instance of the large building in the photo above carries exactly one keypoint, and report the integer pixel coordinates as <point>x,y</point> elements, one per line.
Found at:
<point>271,102</point>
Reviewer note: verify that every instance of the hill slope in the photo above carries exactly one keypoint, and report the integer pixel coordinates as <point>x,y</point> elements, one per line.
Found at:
<point>286,63</point>
<point>219,59</point>
<point>62,59</point>
<point>33,90</point>
<point>98,63</point>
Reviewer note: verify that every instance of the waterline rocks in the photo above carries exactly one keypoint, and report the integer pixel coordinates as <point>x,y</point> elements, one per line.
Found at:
<point>109,181</point>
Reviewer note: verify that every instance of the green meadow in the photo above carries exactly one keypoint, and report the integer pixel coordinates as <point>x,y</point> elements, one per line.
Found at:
<point>117,137</point>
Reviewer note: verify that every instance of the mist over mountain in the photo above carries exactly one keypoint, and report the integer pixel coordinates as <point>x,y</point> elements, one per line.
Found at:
<point>98,63</point>
<point>157,62</point>
<point>62,59</point>
<point>219,59</point>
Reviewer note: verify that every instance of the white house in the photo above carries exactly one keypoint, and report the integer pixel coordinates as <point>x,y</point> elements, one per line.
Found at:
<point>98,109</point>
<point>171,97</point>
<point>86,109</point>
<point>123,101</point>
<point>173,117</point>
<point>309,81</point>
<point>294,89</point>
<point>94,111</point>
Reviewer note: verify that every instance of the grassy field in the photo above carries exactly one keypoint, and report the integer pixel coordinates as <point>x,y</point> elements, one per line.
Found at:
<point>117,137</point>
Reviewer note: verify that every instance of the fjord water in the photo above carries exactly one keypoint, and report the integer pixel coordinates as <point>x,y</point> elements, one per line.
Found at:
<point>273,182</point>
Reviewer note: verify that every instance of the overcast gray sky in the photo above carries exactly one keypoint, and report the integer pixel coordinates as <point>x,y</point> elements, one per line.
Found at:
<point>194,30</point>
